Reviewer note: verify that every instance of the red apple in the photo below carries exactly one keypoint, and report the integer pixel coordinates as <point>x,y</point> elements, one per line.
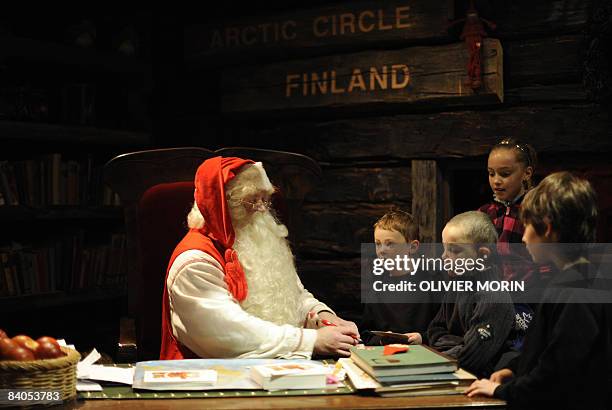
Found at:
<point>49,339</point>
<point>26,342</point>
<point>6,345</point>
<point>47,350</point>
<point>19,353</point>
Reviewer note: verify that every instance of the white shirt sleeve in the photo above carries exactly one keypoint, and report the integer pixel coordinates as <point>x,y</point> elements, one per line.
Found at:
<point>210,322</point>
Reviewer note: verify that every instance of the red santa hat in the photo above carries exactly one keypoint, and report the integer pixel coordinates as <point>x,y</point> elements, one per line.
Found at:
<point>211,182</point>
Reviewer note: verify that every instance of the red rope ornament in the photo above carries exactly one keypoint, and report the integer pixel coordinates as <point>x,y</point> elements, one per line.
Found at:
<point>234,275</point>
<point>473,33</point>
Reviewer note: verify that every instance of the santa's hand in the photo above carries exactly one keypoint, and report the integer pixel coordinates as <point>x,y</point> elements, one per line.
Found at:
<point>340,322</point>
<point>334,341</point>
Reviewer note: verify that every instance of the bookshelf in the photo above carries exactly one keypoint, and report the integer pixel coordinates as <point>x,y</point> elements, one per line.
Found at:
<point>65,110</point>
<point>59,213</point>
<point>55,299</point>
<point>20,132</point>
<point>47,52</point>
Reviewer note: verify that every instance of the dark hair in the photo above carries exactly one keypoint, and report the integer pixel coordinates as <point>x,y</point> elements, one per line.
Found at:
<point>400,221</point>
<point>565,201</point>
<point>525,154</point>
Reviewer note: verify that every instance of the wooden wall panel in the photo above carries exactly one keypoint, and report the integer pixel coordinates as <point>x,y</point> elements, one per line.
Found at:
<point>335,282</point>
<point>341,26</point>
<point>426,205</point>
<point>367,143</point>
<point>374,184</point>
<point>555,128</point>
<point>338,230</point>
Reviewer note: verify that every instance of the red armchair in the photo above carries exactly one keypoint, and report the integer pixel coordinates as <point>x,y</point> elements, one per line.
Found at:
<point>156,190</point>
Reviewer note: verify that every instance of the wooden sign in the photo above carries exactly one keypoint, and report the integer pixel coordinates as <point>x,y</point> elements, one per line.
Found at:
<point>357,25</point>
<point>417,75</point>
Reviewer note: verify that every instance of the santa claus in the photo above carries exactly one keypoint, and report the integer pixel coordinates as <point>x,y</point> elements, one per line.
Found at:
<point>232,290</point>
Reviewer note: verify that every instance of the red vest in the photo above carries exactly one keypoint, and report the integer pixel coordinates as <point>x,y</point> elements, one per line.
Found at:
<point>172,349</point>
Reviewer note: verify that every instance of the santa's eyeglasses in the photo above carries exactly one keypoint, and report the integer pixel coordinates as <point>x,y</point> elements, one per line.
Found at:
<point>259,205</point>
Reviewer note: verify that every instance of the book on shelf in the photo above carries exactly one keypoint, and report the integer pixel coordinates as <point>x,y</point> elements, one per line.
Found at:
<point>290,376</point>
<point>418,359</point>
<point>8,185</point>
<point>50,180</point>
<point>64,263</point>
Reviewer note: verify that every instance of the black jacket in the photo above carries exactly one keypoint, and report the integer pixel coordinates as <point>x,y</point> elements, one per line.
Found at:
<point>474,327</point>
<point>565,361</point>
<point>399,317</point>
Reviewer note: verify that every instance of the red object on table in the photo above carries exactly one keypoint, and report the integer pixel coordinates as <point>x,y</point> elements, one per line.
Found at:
<point>395,348</point>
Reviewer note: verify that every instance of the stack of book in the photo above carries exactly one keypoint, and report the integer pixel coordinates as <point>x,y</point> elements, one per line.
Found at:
<point>419,371</point>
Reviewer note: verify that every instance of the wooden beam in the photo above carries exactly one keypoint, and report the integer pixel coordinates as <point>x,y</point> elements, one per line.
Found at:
<point>426,202</point>
<point>550,128</point>
<point>549,60</point>
<point>242,39</point>
<point>524,18</point>
<point>574,92</point>
<point>340,229</point>
<point>306,32</point>
<point>376,184</point>
<point>542,70</point>
<point>71,134</point>
<point>430,76</point>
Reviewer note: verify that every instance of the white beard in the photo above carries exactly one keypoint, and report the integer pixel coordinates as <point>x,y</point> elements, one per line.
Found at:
<point>267,261</point>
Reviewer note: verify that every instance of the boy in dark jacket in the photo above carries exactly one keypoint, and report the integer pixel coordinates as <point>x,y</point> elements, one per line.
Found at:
<point>472,326</point>
<point>567,350</point>
<point>396,233</point>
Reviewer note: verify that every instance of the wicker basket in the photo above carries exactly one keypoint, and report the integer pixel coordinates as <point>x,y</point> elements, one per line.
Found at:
<point>42,375</point>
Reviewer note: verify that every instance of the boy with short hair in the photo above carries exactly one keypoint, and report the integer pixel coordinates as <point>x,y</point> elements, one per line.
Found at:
<point>472,326</point>
<point>566,358</point>
<point>396,234</point>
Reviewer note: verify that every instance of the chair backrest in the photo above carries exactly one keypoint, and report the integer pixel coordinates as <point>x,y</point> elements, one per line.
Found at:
<point>156,190</point>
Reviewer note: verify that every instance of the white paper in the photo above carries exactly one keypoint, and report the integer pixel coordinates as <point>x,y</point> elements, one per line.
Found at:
<point>83,367</point>
<point>111,374</point>
<point>63,343</point>
<point>87,385</point>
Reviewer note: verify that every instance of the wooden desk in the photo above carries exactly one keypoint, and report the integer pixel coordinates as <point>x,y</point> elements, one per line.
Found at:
<point>302,402</point>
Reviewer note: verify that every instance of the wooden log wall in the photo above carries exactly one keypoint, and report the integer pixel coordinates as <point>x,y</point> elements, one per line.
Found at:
<point>367,154</point>
<point>430,76</point>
